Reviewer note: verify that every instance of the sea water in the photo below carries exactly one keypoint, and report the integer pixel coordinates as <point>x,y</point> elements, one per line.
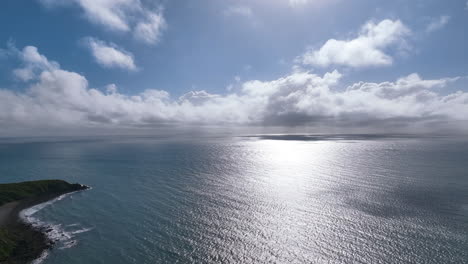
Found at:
<point>262,199</point>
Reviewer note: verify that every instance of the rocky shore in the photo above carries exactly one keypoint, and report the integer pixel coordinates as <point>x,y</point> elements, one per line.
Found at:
<point>19,241</point>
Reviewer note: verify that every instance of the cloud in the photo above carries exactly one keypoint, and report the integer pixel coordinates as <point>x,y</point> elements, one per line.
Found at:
<point>60,98</point>
<point>111,88</point>
<point>120,16</point>
<point>367,49</point>
<point>437,23</point>
<point>109,55</point>
<point>197,97</point>
<point>33,63</point>
<point>112,14</point>
<point>150,30</point>
<point>409,97</point>
<point>238,11</point>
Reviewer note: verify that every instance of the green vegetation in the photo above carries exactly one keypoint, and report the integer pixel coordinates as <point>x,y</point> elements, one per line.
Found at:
<point>7,244</point>
<point>19,243</point>
<point>11,192</point>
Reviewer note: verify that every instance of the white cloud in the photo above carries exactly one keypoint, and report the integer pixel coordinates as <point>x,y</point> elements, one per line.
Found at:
<point>437,23</point>
<point>109,55</point>
<point>238,10</point>
<point>111,88</point>
<point>197,97</point>
<point>33,63</point>
<point>112,14</point>
<point>59,98</point>
<point>367,49</point>
<point>120,15</point>
<point>150,30</point>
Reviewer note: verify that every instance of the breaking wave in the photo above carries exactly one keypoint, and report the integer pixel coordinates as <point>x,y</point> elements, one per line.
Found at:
<point>62,237</point>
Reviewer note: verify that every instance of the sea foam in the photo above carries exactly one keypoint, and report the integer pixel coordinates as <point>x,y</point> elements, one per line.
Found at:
<point>62,237</point>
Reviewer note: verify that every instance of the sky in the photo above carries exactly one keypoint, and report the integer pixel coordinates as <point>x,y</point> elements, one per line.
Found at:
<point>311,65</point>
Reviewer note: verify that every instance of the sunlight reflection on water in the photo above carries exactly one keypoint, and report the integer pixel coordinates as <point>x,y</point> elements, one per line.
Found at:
<point>253,200</point>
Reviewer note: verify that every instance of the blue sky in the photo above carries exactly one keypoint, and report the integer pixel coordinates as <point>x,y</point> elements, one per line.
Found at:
<point>215,50</point>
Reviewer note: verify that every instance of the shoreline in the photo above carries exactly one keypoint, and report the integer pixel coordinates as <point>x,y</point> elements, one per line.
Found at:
<point>32,241</point>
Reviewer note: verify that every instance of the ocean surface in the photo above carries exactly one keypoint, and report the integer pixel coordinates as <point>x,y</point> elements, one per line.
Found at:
<point>259,199</point>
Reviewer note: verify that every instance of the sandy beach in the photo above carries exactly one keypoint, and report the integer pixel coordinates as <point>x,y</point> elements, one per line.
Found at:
<point>7,213</point>
<point>33,242</point>
<point>30,241</point>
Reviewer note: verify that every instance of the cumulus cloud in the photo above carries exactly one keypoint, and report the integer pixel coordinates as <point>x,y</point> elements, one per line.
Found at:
<point>111,88</point>
<point>62,98</point>
<point>120,15</point>
<point>110,55</point>
<point>367,49</point>
<point>409,97</point>
<point>197,97</point>
<point>33,63</point>
<point>437,23</point>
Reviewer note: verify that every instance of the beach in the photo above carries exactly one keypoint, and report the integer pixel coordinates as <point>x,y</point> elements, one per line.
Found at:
<point>29,241</point>
<point>33,241</point>
<point>6,212</point>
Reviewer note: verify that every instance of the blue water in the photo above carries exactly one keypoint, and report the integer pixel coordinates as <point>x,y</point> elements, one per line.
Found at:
<point>280,199</point>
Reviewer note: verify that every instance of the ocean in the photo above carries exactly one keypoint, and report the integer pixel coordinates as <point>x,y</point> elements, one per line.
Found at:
<point>251,199</point>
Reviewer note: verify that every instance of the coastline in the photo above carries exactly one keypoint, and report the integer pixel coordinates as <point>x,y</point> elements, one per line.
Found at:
<point>30,242</point>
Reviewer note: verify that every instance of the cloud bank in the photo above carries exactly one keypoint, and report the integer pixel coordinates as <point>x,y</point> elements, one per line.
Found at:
<point>367,49</point>
<point>59,98</point>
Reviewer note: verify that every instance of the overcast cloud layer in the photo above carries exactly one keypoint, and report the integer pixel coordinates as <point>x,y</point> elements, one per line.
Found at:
<point>59,98</point>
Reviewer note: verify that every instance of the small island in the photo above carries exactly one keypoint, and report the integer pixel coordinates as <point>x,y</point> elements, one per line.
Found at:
<point>20,242</point>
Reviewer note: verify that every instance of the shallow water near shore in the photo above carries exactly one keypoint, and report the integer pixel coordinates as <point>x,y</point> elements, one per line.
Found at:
<point>279,199</point>
<point>60,236</point>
